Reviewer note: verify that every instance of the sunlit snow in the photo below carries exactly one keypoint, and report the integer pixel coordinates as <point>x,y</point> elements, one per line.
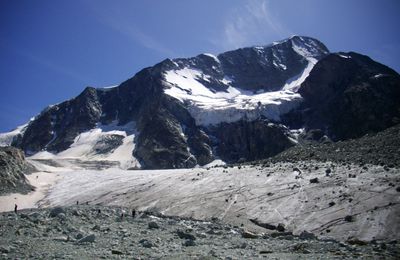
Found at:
<point>84,144</point>
<point>211,108</point>
<point>7,138</point>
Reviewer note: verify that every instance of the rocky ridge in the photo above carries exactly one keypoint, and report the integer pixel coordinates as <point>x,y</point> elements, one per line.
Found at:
<point>12,169</point>
<point>382,148</point>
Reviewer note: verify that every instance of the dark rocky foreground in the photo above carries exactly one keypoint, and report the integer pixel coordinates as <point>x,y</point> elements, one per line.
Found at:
<point>101,232</point>
<point>12,169</point>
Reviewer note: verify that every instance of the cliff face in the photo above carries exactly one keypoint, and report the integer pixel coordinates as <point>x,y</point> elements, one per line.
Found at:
<point>348,95</point>
<point>12,169</point>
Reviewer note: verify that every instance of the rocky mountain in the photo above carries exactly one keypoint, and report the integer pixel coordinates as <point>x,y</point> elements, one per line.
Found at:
<point>12,169</point>
<point>241,105</point>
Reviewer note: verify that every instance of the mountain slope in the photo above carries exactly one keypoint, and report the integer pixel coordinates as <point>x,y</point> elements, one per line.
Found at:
<point>239,105</point>
<point>348,95</point>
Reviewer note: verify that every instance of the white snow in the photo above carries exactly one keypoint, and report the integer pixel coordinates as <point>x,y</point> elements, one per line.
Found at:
<point>84,144</point>
<point>7,138</point>
<point>377,76</point>
<point>212,56</point>
<point>211,108</point>
<point>215,163</point>
<point>108,88</point>
<point>344,56</point>
<point>293,84</point>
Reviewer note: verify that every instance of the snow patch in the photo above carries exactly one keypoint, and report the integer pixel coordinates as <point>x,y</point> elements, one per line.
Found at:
<point>107,88</point>
<point>7,138</point>
<point>211,108</point>
<point>344,56</point>
<point>293,84</point>
<point>84,144</point>
<point>212,56</point>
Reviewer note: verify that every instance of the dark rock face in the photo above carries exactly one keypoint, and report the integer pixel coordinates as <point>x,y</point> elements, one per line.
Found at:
<point>246,141</point>
<point>348,95</point>
<point>108,144</point>
<point>12,169</point>
<point>255,68</point>
<point>57,126</point>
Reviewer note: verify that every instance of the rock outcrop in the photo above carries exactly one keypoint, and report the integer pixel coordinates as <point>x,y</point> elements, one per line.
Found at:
<point>348,95</point>
<point>248,141</point>
<point>12,169</point>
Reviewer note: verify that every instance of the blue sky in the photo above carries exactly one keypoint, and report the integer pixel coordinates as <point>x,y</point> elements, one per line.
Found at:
<point>51,50</point>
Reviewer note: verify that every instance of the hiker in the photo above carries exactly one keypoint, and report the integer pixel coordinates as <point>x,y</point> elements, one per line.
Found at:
<point>77,202</point>
<point>15,208</point>
<point>133,213</point>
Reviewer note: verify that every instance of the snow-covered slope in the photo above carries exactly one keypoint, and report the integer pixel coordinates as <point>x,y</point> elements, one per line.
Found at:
<point>7,138</point>
<point>104,143</point>
<point>211,108</point>
<point>212,96</point>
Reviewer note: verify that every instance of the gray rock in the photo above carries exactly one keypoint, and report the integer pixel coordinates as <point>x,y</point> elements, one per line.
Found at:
<point>356,241</point>
<point>280,227</point>
<point>153,225</point>
<point>56,211</point>
<point>248,234</point>
<point>305,235</point>
<point>88,239</point>
<point>4,249</point>
<point>62,217</point>
<point>189,242</point>
<point>185,235</point>
<point>146,243</point>
<point>116,252</point>
<point>13,166</point>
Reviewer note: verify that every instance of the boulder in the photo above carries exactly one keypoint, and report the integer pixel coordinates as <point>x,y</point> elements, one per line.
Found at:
<point>54,212</point>
<point>87,239</point>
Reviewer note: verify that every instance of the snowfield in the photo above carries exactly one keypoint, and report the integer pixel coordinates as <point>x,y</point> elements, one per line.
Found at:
<point>84,146</point>
<point>334,205</point>
<point>210,107</point>
<point>7,138</point>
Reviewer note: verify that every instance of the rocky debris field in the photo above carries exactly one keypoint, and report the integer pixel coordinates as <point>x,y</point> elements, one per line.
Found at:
<point>112,233</point>
<point>12,169</point>
<point>382,149</point>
